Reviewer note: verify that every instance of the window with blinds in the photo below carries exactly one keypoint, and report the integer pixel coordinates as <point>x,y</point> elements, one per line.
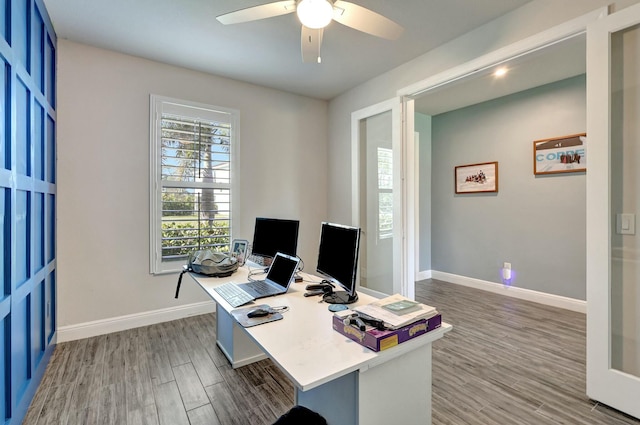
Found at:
<point>192,147</point>
<point>385,193</point>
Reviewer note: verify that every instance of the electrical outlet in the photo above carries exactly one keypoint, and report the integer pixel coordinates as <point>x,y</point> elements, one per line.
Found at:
<point>506,272</point>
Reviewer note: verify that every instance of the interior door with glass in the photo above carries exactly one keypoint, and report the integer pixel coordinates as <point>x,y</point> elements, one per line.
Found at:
<point>377,196</point>
<point>613,201</point>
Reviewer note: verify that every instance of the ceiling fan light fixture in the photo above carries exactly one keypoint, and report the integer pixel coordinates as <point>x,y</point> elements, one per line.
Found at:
<point>315,14</point>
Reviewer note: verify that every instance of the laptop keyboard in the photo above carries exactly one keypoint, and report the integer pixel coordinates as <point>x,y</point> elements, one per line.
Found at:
<point>261,286</point>
<point>233,294</point>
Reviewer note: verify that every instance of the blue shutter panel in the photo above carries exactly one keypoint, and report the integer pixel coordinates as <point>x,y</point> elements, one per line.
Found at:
<point>27,202</point>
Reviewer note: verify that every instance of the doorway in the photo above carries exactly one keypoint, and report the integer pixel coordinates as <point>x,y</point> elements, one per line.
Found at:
<point>378,201</point>
<point>477,117</point>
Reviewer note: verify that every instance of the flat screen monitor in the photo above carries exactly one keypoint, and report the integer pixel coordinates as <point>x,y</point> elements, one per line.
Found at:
<point>338,260</point>
<point>273,235</point>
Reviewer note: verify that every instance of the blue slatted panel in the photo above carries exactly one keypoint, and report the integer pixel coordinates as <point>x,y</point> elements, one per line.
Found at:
<point>5,210</point>
<point>50,71</point>
<point>5,389</point>
<point>5,17</point>
<point>50,146</point>
<point>20,350</point>
<point>49,310</point>
<point>37,325</point>
<point>23,120</point>
<point>5,113</point>
<point>21,31</point>
<point>38,222</point>
<point>37,43</point>
<point>27,202</point>
<point>51,228</point>
<point>38,141</point>
<point>22,239</point>
<point>5,242</point>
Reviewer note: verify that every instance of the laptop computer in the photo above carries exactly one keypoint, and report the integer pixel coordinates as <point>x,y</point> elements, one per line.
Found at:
<point>279,277</point>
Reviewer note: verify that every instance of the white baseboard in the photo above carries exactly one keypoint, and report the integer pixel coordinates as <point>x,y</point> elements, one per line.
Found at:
<point>130,321</point>
<point>572,304</point>
<point>426,274</point>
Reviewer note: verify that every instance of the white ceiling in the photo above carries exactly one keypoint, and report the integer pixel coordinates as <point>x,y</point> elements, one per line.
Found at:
<point>556,62</point>
<point>267,52</point>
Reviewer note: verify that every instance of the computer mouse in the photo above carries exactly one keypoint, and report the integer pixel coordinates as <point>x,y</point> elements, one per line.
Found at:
<point>258,312</point>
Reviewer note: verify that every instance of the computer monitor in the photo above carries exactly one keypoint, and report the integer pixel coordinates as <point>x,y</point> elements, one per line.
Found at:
<point>338,260</point>
<point>273,235</point>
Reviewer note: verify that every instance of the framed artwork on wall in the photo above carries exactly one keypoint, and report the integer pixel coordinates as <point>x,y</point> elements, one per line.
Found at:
<point>476,178</point>
<point>566,154</point>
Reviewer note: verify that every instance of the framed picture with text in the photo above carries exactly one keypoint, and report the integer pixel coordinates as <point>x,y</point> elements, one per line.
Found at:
<point>566,154</point>
<point>476,178</point>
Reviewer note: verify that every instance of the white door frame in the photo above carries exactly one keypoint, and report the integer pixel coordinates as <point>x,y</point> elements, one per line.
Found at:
<point>394,105</point>
<point>612,387</point>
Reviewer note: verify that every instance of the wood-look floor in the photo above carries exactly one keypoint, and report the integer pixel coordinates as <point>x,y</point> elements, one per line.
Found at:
<point>506,361</point>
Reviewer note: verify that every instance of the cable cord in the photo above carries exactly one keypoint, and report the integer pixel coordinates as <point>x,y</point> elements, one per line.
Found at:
<point>255,272</point>
<point>279,309</point>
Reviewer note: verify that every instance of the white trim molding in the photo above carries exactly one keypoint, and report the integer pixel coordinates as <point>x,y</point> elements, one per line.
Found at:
<point>530,44</point>
<point>130,321</point>
<point>422,275</point>
<point>559,301</point>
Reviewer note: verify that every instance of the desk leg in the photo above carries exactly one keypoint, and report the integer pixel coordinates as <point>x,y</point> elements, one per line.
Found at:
<point>336,400</point>
<point>235,344</point>
<point>397,391</point>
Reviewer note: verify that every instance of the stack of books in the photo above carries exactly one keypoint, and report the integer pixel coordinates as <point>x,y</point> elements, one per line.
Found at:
<point>402,319</point>
<point>397,311</point>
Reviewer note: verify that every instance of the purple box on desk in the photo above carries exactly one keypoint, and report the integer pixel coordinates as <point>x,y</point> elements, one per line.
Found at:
<point>381,340</point>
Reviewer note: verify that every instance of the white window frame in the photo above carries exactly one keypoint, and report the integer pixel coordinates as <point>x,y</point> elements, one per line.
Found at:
<point>158,106</point>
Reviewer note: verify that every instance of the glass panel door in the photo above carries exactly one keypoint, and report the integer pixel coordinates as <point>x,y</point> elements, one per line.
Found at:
<point>613,201</point>
<point>625,200</point>
<point>378,196</point>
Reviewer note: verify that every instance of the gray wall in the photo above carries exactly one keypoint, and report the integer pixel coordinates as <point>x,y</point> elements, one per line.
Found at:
<point>536,223</point>
<point>103,175</point>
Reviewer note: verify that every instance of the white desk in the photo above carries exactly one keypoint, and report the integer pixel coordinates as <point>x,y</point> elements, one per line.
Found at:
<point>338,378</point>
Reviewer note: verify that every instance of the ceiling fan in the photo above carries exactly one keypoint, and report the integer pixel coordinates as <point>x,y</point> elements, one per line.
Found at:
<point>315,15</point>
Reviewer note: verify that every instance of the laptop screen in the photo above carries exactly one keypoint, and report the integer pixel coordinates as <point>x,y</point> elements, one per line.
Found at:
<point>282,269</point>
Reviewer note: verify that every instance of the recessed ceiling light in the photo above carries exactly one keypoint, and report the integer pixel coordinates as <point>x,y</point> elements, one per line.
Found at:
<point>500,72</point>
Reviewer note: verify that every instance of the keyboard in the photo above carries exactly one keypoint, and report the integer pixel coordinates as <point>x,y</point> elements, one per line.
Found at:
<point>263,289</point>
<point>233,294</point>
<point>261,286</point>
<point>256,259</point>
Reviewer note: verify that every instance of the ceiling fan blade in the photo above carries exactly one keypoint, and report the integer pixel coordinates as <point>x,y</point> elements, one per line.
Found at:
<point>310,42</point>
<point>263,11</point>
<point>365,20</point>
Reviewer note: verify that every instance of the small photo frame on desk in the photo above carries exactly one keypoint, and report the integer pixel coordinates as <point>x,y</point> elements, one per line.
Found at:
<point>239,250</point>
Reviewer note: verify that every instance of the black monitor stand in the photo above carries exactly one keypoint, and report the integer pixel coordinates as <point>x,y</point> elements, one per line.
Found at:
<point>340,297</point>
